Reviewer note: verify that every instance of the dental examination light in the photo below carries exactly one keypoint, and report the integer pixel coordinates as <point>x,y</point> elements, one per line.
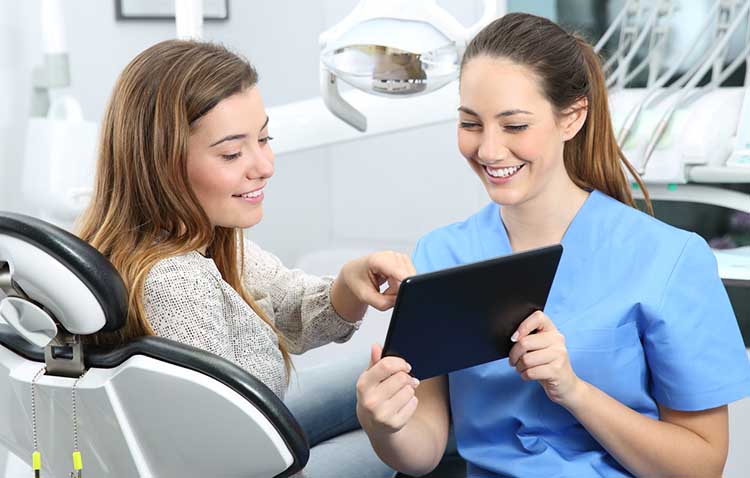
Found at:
<point>393,48</point>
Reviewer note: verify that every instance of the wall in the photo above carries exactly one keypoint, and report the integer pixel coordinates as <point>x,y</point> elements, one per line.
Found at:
<point>351,194</point>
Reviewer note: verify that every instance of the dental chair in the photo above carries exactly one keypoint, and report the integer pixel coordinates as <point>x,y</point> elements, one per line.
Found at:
<point>150,408</point>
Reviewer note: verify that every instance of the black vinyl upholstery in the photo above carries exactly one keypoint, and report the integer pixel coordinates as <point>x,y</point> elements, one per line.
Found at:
<point>78,257</point>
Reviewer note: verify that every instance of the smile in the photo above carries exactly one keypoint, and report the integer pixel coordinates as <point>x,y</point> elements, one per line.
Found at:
<point>250,195</point>
<point>503,172</point>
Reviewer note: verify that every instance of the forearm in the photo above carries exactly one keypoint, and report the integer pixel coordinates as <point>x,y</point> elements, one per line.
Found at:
<point>346,304</point>
<point>645,446</point>
<point>413,450</point>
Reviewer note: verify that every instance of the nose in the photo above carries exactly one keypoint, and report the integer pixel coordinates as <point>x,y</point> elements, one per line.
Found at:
<point>492,149</point>
<point>260,163</point>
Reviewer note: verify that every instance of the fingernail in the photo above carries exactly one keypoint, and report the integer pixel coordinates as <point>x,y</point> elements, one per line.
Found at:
<point>416,382</point>
<point>408,368</point>
<point>514,337</point>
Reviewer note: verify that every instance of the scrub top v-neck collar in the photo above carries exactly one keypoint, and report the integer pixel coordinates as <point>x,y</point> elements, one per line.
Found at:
<point>581,237</point>
<point>495,239</point>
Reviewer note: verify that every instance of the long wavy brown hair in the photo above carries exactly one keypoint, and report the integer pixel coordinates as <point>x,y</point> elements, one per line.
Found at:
<point>143,208</point>
<point>569,70</point>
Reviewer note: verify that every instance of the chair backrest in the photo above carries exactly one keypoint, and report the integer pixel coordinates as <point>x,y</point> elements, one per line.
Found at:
<point>153,407</point>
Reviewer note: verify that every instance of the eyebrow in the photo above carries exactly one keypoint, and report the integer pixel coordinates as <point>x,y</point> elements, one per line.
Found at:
<point>499,115</point>
<point>233,137</point>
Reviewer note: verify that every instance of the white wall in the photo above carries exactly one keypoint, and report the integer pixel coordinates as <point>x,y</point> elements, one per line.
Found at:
<point>367,193</point>
<point>14,72</point>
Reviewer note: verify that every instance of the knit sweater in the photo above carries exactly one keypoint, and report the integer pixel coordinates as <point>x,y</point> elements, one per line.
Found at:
<point>187,300</point>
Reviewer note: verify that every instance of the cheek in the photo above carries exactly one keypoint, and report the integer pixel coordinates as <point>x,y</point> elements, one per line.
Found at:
<point>467,144</point>
<point>211,185</point>
<point>527,148</point>
<point>534,146</point>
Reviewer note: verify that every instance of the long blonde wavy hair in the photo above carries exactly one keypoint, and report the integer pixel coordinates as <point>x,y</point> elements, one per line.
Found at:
<point>143,208</point>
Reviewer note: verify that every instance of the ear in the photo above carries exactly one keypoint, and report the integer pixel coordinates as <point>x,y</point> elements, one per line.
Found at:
<point>573,118</point>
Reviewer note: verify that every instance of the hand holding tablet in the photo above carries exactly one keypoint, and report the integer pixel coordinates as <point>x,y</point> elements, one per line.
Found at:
<point>455,318</point>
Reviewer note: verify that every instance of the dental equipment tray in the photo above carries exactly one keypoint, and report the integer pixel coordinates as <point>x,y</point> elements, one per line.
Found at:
<point>464,316</point>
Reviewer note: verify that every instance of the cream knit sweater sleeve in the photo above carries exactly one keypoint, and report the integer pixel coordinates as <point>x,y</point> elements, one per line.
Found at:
<point>301,302</point>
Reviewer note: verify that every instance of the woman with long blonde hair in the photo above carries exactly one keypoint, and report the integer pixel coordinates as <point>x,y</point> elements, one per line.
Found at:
<point>183,162</point>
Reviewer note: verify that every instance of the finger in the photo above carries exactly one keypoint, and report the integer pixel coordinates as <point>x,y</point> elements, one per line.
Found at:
<point>370,379</point>
<point>387,409</point>
<point>390,387</point>
<point>538,321</point>
<point>547,371</point>
<point>392,288</point>
<point>377,300</point>
<point>376,353</point>
<point>386,367</point>
<point>407,264</point>
<point>406,412</point>
<point>410,266</point>
<point>530,343</point>
<point>390,264</point>
<point>536,358</point>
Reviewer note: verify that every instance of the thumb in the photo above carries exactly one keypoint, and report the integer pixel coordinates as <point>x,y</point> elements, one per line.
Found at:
<point>376,352</point>
<point>377,300</point>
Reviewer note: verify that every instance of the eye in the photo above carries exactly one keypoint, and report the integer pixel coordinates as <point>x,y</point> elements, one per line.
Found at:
<point>515,128</point>
<point>265,140</point>
<point>468,125</point>
<point>230,157</point>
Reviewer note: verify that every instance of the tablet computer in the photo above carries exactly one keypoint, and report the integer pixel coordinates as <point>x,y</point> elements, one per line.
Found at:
<point>456,318</point>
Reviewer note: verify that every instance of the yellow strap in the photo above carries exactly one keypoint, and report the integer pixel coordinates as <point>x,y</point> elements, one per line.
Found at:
<point>77,462</point>
<point>36,460</point>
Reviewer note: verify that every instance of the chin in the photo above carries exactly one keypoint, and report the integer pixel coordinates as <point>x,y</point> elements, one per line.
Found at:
<point>250,222</point>
<point>506,197</point>
<point>243,221</point>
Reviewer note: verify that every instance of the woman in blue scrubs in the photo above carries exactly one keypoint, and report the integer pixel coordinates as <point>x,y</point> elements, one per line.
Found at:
<point>637,354</point>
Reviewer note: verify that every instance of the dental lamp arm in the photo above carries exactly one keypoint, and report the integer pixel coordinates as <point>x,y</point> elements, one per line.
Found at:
<point>337,104</point>
<point>489,14</point>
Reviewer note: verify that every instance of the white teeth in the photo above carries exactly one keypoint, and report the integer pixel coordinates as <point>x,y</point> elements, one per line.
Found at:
<point>502,172</point>
<point>253,194</point>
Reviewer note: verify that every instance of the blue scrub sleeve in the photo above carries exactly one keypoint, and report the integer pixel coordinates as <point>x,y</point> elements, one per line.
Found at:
<point>419,258</point>
<point>692,341</point>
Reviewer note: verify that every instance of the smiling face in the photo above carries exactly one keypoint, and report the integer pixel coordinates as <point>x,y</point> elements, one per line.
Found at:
<point>509,132</point>
<point>230,161</point>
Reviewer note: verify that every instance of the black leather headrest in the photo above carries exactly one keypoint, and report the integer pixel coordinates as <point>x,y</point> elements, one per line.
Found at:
<point>80,258</point>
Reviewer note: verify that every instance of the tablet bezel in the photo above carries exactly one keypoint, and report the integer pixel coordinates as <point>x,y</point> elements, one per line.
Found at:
<point>544,261</point>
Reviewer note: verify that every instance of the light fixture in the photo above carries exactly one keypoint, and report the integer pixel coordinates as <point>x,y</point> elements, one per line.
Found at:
<point>393,48</point>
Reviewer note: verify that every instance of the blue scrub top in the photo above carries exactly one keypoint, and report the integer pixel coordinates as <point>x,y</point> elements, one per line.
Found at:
<point>645,317</point>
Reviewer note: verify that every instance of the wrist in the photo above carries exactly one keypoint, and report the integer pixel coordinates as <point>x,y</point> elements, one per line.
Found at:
<point>344,300</point>
<point>578,397</point>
